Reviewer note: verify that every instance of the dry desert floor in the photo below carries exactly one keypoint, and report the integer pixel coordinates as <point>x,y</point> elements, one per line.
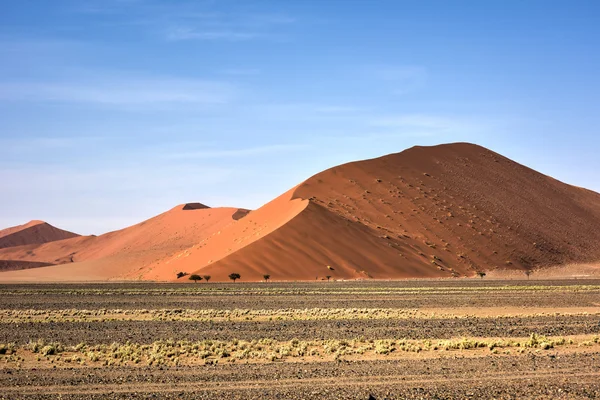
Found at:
<point>427,339</point>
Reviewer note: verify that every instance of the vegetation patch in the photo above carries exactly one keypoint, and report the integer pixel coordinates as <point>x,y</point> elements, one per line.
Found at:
<point>288,314</point>
<point>172,352</point>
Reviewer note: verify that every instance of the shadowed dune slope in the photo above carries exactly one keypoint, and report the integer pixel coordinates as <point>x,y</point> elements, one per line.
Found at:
<point>442,211</point>
<point>114,254</point>
<point>10,265</point>
<point>33,232</point>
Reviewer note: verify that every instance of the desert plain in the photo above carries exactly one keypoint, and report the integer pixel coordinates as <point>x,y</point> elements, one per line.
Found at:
<point>421,339</point>
<point>438,272</point>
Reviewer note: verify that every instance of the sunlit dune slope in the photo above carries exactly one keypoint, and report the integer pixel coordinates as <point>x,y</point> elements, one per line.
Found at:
<point>123,252</point>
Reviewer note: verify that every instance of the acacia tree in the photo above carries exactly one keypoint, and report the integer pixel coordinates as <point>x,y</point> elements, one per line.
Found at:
<point>328,277</point>
<point>195,278</point>
<point>528,273</point>
<point>481,274</point>
<point>266,277</point>
<point>234,276</point>
<point>206,278</point>
<point>181,274</point>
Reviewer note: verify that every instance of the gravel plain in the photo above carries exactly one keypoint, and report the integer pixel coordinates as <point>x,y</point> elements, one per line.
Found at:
<point>561,372</point>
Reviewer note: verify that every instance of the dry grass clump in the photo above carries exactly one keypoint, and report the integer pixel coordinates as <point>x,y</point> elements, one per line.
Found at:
<point>43,348</point>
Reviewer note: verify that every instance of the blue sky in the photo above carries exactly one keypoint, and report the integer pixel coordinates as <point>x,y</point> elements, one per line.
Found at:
<point>112,111</point>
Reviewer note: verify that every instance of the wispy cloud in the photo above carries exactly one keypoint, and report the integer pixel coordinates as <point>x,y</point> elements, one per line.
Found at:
<point>416,121</point>
<point>125,178</point>
<point>240,71</point>
<point>304,110</point>
<point>225,27</point>
<point>235,153</point>
<point>428,125</point>
<point>336,109</point>
<point>399,79</point>
<point>398,73</point>
<point>119,91</point>
<point>186,33</point>
<point>183,21</point>
<point>32,145</point>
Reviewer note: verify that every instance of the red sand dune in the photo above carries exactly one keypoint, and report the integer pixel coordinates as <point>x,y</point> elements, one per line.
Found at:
<point>33,232</point>
<point>114,254</point>
<point>442,211</point>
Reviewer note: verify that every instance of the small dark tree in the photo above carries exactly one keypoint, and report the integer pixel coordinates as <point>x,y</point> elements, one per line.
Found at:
<point>234,276</point>
<point>328,277</point>
<point>206,278</point>
<point>181,274</point>
<point>528,273</point>
<point>481,274</point>
<point>266,277</point>
<point>195,278</point>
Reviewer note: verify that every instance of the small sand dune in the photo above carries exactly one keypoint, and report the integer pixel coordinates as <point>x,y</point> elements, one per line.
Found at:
<point>33,232</point>
<point>119,253</point>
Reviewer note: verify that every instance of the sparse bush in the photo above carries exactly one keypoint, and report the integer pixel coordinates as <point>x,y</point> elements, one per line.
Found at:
<point>35,347</point>
<point>49,350</point>
<point>234,276</point>
<point>181,274</point>
<point>7,348</point>
<point>195,278</point>
<point>328,277</point>
<point>206,278</point>
<point>266,277</point>
<point>481,274</point>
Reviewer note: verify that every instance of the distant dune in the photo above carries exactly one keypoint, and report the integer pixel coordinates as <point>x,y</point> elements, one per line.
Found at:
<point>443,211</point>
<point>33,232</point>
<point>124,252</point>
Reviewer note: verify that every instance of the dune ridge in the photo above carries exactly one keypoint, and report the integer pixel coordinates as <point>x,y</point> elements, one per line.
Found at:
<point>444,211</point>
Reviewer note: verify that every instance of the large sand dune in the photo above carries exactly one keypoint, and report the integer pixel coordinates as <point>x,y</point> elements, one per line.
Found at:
<point>442,211</point>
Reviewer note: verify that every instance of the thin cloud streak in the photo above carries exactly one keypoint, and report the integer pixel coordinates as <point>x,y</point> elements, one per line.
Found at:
<point>240,71</point>
<point>235,153</point>
<point>119,92</point>
<point>183,33</point>
<point>426,122</point>
<point>37,144</point>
